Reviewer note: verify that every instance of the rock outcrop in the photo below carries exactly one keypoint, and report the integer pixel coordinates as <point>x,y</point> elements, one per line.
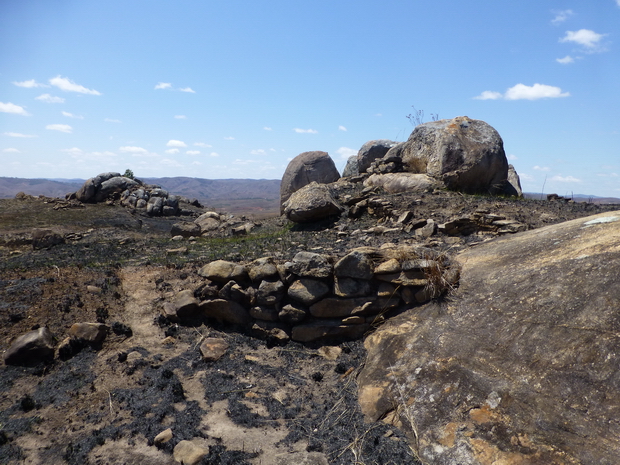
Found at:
<point>520,365</point>
<point>305,168</point>
<point>371,151</point>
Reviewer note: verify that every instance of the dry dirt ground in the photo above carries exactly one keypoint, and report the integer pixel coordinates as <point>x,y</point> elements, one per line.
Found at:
<point>255,405</point>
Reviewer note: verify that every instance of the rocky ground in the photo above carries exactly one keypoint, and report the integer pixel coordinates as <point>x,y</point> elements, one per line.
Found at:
<point>257,404</point>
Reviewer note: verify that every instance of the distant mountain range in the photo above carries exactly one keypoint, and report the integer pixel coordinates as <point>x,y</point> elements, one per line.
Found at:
<point>240,196</point>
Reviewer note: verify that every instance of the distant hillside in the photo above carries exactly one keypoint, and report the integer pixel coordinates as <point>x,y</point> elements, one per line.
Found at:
<point>577,198</point>
<point>259,197</point>
<point>47,187</point>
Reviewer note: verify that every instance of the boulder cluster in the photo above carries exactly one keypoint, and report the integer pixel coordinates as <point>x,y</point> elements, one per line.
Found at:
<point>132,193</point>
<point>314,297</point>
<point>460,154</point>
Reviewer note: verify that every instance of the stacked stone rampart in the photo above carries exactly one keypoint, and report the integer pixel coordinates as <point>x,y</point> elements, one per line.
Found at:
<point>315,297</point>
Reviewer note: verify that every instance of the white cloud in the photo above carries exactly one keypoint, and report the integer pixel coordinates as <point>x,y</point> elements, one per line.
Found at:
<point>346,152</point>
<point>523,92</point>
<point>110,120</point>
<point>214,154</point>
<point>175,143</point>
<point>11,150</point>
<point>47,98</point>
<point>305,131</point>
<point>561,16</point>
<point>132,149</point>
<point>540,168</point>
<point>188,89</point>
<point>342,128</point>
<point>171,151</point>
<point>229,138</point>
<point>193,152</point>
<point>618,2</point>
<point>73,151</point>
<point>71,115</point>
<point>269,129</point>
<point>560,178</point>
<point>489,95</point>
<point>180,117</point>
<point>12,108</point>
<point>70,86</point>
<point>512,157</point>
<point>169,162</point>
<point>60,127</point>
<point>29,84</point>
<point>17,134</point>
<point>535,92</point>
<point>566,60</point>
<point>257,152</point>
<point>163,85</point>
<point>202,144</point>
<point>585,37</point>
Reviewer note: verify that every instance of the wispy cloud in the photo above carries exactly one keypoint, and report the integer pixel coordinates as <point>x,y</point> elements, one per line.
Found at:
<point>512,157</point>
<point>590,40</point>
<point>305,131</point>
<point>523,92</point>
<point>29,84</point>
<point>69,86</point>
<point>168,85</point>
<point>187,89</point>
<point>342,128</point>
<point>193,152</point>
<point>171,151</point>
<point>229,138</point>
<point>540,168</point>
<point>10,150</point>
<point>269,129</point>
<point>73,151</point>
<point>20,135</point>
<point>201,144</point>
<point>60,127</point>
<point>112,120</point>
<point>47,98</point>
<point>163,85</point>
<point>180,117</point>
<point>560,178</point>
<point>133,149</point>
<point>346,152</point>
<point>214,154</point>
<point>14,109</point>
<point>561,16</point>
<point>175,143</point>
<point>71,115</point>
<point>257,152</point>
<point>566,60</point>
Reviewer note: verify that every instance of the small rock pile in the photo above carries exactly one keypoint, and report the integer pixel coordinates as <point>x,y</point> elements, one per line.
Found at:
<point>314,297</point>
<point>213,223</point>
<point>132,193</point>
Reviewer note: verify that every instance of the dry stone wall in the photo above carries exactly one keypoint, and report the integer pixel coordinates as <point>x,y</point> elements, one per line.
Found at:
<point>314,297</point>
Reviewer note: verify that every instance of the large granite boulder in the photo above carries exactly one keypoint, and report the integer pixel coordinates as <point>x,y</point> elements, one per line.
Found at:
<point>89,189</point>
<point>465,154</point>
<point>305,168</point>
<point>372,150</point>
<point>312,202</point>
<point>520,365</point>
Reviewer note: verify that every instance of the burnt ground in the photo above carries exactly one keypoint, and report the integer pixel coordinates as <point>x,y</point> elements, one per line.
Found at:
<point>257,404</point>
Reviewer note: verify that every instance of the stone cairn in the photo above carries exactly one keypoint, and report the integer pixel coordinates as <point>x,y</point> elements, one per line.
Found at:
<point>314,297</point>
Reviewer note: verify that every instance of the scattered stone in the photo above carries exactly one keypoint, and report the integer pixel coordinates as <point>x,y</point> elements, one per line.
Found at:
<point>93,333</point>
<point>45,238</point>
<point>189,452</point>
<point>31,348</point>
<point>185,229</point>
<point>212,349</point>
<point>163,437</point>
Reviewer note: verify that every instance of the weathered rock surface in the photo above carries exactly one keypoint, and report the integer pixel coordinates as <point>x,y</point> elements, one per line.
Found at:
<point>465,154</point>
<point>351,168</point>
<point>312,202</point>
<point>305,168</point>
<point>372,150</point>
<point>402,182</point>
<point>31,348</point>
<point>521,364</point>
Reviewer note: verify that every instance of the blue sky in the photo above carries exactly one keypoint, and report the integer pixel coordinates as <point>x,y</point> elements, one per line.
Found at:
<point>235,89</point>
